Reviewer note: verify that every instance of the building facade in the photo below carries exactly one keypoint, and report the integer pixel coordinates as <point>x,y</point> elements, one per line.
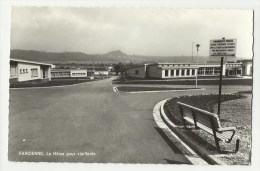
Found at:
<point>178,70</point>
<point>138,71</point>
<point>100,72</point>
<point>29,71</point>
<point>69,73</point>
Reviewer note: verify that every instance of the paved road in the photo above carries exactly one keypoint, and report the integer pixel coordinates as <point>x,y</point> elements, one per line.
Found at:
<point>110,127</point>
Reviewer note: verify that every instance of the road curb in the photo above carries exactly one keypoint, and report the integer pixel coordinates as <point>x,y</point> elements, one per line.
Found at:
<point>155,91</point>
<point>190,154</point>
<point>211,159</point>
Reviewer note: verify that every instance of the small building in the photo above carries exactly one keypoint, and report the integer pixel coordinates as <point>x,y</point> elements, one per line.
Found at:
<point>137,71</point>
<point>100,72</point>
<point>29,71</point>
<point>69,73</point>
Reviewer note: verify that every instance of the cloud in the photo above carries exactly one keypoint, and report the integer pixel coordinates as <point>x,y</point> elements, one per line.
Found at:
<point>132,30</point>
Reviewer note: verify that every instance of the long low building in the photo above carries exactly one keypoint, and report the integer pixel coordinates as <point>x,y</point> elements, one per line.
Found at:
<point>177,70</point>
<point>77,73</point>
<point>29,71</point>
<point>69,73</point>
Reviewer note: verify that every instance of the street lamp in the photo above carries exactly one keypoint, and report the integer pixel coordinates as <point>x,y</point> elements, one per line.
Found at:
<point>197,45</point>
<point>192,51</point>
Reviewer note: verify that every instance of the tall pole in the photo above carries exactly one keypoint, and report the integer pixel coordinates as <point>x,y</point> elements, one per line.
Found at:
<point>220,85</point>
<point>196,84</point>
<point>192,50</point>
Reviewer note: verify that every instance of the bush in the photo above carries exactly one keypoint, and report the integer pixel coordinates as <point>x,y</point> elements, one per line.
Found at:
<point>205,102</point>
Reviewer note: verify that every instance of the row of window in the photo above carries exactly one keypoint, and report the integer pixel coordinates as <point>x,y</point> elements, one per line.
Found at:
<point>34,72</point>
<point>180,72</point>
<point>233,65</point>
<point>23,71</point>
<point>60,74</point>
<point>176,65</point>
<point>79,74</point>
<point>209,71</point>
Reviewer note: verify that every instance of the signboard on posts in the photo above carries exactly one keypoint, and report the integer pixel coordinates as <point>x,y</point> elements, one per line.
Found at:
<point>223,48</point>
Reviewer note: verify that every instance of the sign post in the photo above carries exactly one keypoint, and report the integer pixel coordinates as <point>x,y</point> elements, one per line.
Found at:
<point>220,85</point>
<point>222,48</point>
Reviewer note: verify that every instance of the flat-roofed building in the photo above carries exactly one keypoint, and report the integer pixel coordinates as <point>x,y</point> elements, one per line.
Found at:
<point>179,70</point>
<point>100,72</point>
<point>171,70</point>
<point>29,71</point>
<point>69,73</point>
<point>137,71</point>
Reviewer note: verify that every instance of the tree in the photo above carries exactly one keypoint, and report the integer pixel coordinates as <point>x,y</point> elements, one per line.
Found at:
<point>116,68</point>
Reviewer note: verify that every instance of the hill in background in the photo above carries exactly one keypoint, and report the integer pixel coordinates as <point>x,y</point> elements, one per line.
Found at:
<point>110,57</point>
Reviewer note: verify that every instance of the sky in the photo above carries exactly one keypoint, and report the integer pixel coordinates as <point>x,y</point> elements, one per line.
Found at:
<point>140,31</point>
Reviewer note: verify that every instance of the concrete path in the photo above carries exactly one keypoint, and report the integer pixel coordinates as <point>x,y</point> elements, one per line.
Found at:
<point>91,123</point>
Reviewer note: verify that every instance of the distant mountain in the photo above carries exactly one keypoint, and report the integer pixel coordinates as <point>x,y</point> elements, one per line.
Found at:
<point>116,53</point>
<point>110,57</point>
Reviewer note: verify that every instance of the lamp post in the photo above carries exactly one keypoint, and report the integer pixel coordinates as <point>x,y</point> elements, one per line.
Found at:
<point>197,45</point>
<point>192,50</point>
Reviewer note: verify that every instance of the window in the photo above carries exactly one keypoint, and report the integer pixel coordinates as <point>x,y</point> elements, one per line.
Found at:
<point>193,72</point>
<point>217,71</point>
<point>201,71</point>
<point>172,72</point>
<point>12,71</point>
<point>34,72</point>
<point>188,72</point>
<point>182,72</point>
<point>21,71</point>
<point>136,72</point>
<point>177,72</point>
<point>166,73</point>
<point>209,71</point>
<point>26,70</point>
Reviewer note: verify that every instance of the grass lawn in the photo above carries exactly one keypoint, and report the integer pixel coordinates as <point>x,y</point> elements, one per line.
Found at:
<point>235,111</point>
<point>136,89</point>
<point>128,78</point>
<point>54,82</point>
<point>189,82</point>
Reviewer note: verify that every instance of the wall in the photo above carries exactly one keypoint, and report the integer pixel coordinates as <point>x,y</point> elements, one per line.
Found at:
<point>132,72</point>
<point>247,68</point>
<point>27,75</point>
<point>154,71</point>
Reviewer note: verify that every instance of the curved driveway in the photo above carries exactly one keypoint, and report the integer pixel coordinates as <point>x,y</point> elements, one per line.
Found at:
<point>106,127</point>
